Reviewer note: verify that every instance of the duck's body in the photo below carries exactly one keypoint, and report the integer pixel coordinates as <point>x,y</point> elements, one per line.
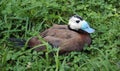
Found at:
<point>62,37</point>
<point>71,37</point>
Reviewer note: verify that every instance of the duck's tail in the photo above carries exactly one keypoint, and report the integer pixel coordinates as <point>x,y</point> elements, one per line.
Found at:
<point>16,42</point>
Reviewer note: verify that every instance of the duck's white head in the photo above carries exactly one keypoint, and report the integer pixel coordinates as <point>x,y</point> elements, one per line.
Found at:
<point>76,23</point>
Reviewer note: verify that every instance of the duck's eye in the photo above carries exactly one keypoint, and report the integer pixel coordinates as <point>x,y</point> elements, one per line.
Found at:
<point>77,21</point>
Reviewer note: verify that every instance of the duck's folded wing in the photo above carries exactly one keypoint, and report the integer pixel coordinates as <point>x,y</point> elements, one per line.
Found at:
<point>53,41</point>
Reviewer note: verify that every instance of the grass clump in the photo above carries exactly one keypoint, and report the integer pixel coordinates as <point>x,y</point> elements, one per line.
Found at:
<point>26,18</point>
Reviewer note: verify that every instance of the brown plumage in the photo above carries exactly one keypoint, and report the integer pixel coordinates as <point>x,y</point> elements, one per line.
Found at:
<point>62,37</point>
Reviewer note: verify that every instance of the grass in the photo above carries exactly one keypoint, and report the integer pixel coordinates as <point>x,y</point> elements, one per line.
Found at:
<point>26,18</point>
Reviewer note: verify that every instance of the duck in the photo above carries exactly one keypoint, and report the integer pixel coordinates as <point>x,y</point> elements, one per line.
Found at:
<point>71,37</point>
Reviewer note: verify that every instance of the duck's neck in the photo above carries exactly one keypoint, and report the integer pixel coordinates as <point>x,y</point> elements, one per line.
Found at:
<point>79,31</point>
<point>69,27</point>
